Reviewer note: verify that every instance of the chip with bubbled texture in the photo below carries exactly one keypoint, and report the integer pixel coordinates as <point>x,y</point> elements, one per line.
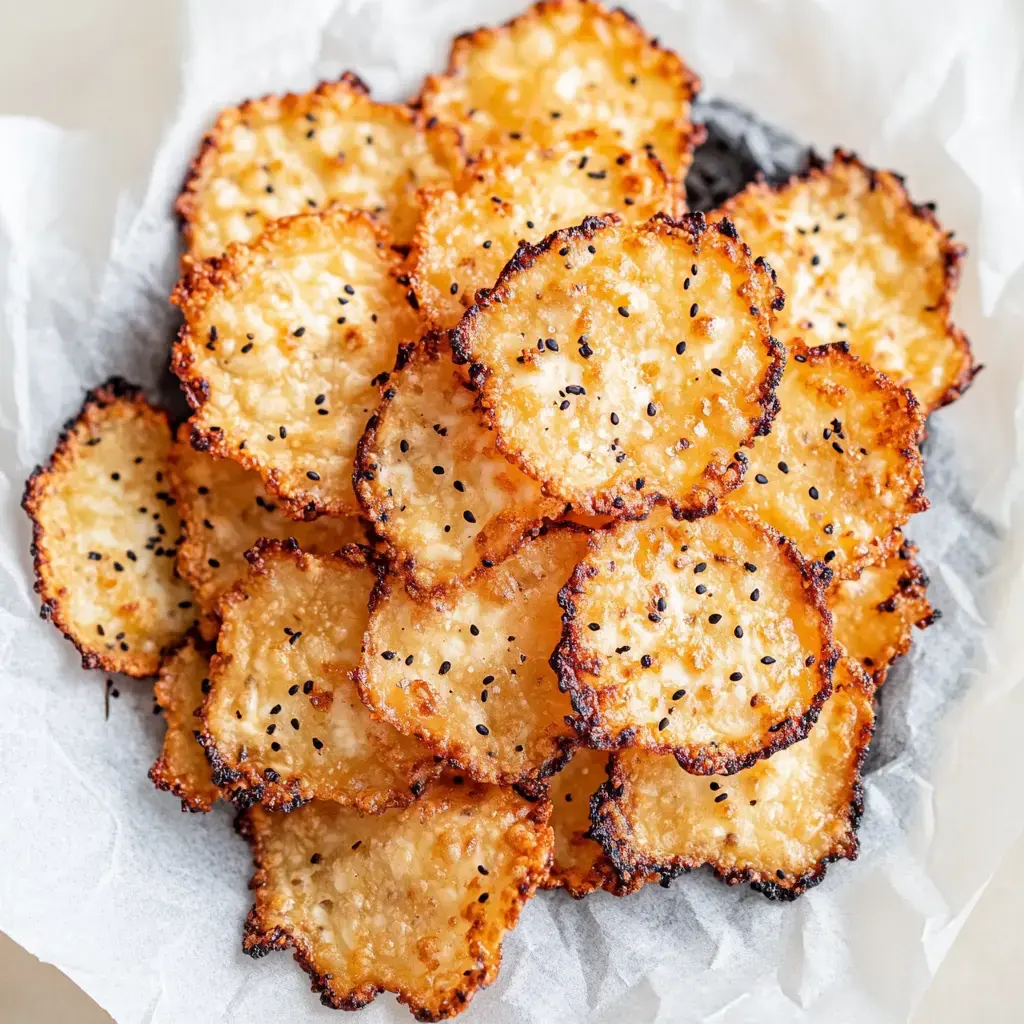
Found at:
<point>181,767</point>
<point>413,901</point>
<point>776,825</point>
<point>282,351</point>
<point>562,66</point>
<point>841,471</point>
<point>431,480</point>
<point>468,232</point>
<point>875,614</point>
<point>224,510</point>
<point>278,156</point>
<point>620,364</point>
<point>283,723</point>
<point>707,639</point>
<point>861,263</point>
<point>465,668</point>
<point>105,533</point>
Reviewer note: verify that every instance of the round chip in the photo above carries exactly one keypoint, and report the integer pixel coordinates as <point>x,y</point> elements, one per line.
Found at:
<point>282,155</point>
<point>182,768</point>
<point>875,613</point>
<point>841,470</point>
<point>468,233</point>
<point>284,344</point>
<point>431,480</point>
<point>562,66</point>
<point>708,639</point>
<point>624,363</point>
<point>414,901</point>
<point>466,671</point>
<point>776,825</point>
<point>580,866</point>
<point>860,263</point>
<point>283,722</point>
<point>224,510</point>
<point>105,532</point>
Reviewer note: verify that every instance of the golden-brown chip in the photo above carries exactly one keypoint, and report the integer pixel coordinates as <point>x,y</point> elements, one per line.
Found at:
<point>623,363</point>
<point>468,233</point>
<point>840,470</point>
<point>709,639</point>
<point>875,613</point>
<point>283,722</point>
<point>181,767</point>
<point>562,66</point>
<point>105,533</point>
<point>466,669</point>
<point>281,155</point>
<point>284,345</point>
<point>861,263</point>
<point>224,510</point>
<point>431,480</point>
<point>776,825</point>
<point>580,865</point>
<point>414,901</point>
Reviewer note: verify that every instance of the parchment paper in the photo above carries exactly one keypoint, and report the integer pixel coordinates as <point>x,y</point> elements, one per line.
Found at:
<point>142,906</point>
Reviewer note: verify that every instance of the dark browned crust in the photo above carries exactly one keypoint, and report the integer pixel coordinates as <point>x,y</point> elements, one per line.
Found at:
<point>242,783</point>
<point>633,871</point>
<point>197,286</point>
<point>571,664</point>
<point>114,389</point>
<point>632,504</point>
<point>691,135</point>
<point>259,940</point>
<point>530,785</point>
<point>953,253</point>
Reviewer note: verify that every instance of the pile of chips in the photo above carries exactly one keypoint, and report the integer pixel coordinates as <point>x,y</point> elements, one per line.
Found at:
<point>528,531</point>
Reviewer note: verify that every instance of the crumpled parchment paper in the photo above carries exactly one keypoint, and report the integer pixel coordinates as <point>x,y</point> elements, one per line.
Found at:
<point>142,906</point>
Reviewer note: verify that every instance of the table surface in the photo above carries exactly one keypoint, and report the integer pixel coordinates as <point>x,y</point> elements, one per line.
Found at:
<point>49,74</point>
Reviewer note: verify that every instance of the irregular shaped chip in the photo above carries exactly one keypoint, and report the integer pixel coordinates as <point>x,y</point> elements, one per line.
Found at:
<point>841,470</point>
<point>621,364</point>
<point>105,532</point>
<point>283,347</point>
<point>225,509</point>
<point>465,670</point>
<point>563,66</point>
<point>430,478</point>
<point>776,825</point>
<point>414,901</point>
<point>708,639</point>
<point>875,613</point>
<point>283,720</point>
<point>181,767</point>
<point>282,155</point>
<point>468,233</point>
<point>580,865</point>
<point>861,263</point>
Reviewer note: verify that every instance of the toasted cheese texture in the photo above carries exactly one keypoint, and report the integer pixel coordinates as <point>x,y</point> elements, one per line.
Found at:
<point>776,825</point>
<point>860,263</point>
<point>465,668</point>
<point>560,67</point>
<point>707,639</point>
<point>181,767</point>
<point>468,232</point>
<point>105,533</point>
<point>283,350</point>
<point>282,155</point>
<point>621,364</point>
<point>841,471</point>
<point>283,720</point>
<point>414,901</point>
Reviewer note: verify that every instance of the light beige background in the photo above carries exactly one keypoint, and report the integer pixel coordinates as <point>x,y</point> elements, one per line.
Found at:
<point>45,71</point>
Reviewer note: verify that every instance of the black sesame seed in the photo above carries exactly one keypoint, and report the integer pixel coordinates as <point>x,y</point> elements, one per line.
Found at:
<point>783,468</point>
<point>593,626</point>
<point>483,730</point>
<point>645,661</point>
<point>474,630</point>
<point>564,404</point>
<point>623,311</point>
<point>721,797</point>
<point>439,471</point>
<point>615,419</point>
<point>403,446</point>
<point>445,668</point>
<point>551,345</point>
<point>318,744</point>
<point>714,619</point>
<point>307,686</point>
<point>761,478</point>
<point>767,660</point>
<point>482,898</point>
<point>678,694</point>
<point>755,594</point>
<point>694,309</point>
<point>735,677</point>
<point>652,409</point>
<point>738,632</point>
<point>663,724</point>
<point>487,244</point>
<point>312,474</point>
<point>387,655</point>
<point>700,567</point>
<point>680,348</point>
<point>468,516</point>
<point>813,492</point>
